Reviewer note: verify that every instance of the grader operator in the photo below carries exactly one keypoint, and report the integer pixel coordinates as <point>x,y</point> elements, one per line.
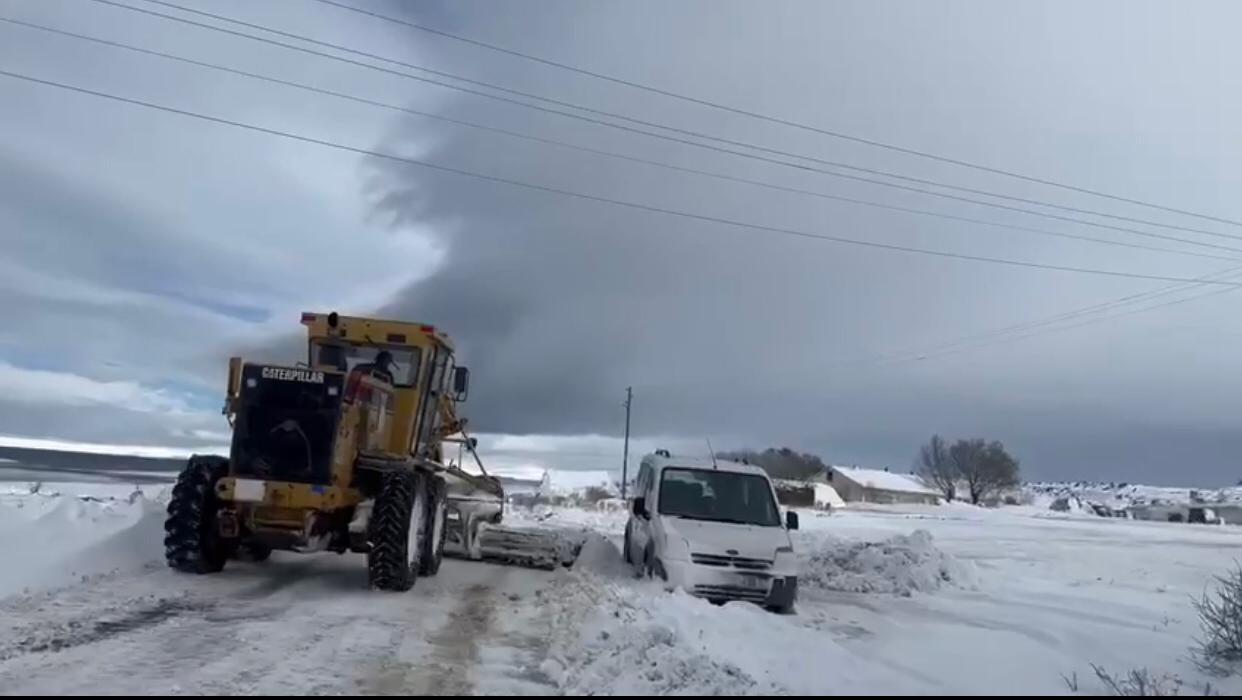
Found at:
<point>341,453</point>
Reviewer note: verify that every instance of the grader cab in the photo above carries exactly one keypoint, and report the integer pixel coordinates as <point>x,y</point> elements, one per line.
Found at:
<point>344,453</point>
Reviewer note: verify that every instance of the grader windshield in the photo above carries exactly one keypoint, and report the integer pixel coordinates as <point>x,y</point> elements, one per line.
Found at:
<point>406,361</point>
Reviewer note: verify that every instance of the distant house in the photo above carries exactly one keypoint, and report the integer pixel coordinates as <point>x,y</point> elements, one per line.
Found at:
<point>574,482</point>
<point>876,486</point>
<point>794,494</point>
<point>806,494</point>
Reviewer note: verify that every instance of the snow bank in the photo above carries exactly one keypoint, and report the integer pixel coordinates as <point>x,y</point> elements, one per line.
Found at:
<point>605,521</point>
<point>13,491</point>
<point>52,541</point>
<point>133,547</point>
<point>900,565</point>
<point>602,558</point>
<point>618,644</point>
<point>621,637</point>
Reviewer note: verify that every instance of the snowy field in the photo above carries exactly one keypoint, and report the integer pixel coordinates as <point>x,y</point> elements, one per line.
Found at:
<point>915,600</point>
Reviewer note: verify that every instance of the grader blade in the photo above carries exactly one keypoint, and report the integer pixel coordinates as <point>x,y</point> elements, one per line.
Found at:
<point>475,532</point>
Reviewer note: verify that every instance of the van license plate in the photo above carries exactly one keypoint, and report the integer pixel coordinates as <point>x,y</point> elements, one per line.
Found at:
<point>754,582</point>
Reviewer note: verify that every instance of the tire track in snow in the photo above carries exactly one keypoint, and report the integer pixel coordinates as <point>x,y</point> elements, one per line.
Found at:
<point>448,667</point>
<point>457,643</point>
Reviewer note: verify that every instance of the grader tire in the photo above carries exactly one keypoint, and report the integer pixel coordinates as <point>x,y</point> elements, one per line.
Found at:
<point>433,540</point>
<point>192,544</point>
<point>390,563</point>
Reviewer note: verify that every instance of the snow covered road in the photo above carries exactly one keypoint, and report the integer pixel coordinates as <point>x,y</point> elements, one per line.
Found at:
<point>915,600</point>
<point>295,624</point>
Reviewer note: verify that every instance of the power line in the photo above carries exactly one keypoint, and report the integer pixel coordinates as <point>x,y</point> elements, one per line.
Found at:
<point>606,200</point>
<point>997,336</point>
<point>522,452</point>
<point>1088,322</point>
<point>610,154</point>
<point>743,144</point>
<point>776,120</point>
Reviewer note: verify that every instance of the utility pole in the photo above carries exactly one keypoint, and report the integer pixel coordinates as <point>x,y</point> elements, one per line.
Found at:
<point>625,456</point>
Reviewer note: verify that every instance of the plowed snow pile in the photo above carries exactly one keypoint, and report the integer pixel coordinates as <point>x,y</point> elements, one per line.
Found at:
<point>52,541</point>
<point>623,641</point>
<point>900,565</point>
<point>622,637</point>
<point>601,557</point>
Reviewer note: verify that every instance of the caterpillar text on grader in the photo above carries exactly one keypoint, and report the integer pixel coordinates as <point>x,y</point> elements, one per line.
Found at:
<point>345,453</point>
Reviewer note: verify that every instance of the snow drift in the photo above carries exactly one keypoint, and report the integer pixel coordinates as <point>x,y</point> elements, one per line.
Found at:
<point>900,565</point>
<point>52,541</point>
<point>602,558</point>
<point>622,638</point>
<point>631,641</point>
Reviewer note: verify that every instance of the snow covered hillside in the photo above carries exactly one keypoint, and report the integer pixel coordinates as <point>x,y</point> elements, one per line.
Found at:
<point>950,599</point>
<point>1135,493</point>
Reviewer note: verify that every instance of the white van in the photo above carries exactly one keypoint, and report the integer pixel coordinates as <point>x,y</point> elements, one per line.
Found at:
<point>712,529</point>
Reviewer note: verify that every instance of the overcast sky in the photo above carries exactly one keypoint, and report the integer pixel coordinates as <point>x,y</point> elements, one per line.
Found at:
<point>141,248</point>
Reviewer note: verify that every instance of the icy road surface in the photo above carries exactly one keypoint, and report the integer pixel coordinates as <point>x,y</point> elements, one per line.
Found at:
<point>296,624</point>
<point>921,600</point>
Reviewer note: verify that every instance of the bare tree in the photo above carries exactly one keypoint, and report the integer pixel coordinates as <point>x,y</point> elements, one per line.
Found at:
<point>986,468</point>
<point>967,457</point>
<point>999,472</point>
<point>1141,682</point>
<point>783,463</point>
<point>1218,650</point>
<point>937,468</point>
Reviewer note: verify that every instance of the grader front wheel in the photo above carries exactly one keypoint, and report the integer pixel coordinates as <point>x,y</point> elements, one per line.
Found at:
<point>392,557</point>
<point>192,543</point>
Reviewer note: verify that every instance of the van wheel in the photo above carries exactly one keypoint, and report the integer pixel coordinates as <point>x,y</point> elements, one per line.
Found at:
<point>653,567</point>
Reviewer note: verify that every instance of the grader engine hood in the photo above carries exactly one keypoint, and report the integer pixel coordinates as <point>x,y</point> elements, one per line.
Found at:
<point>286,423</point>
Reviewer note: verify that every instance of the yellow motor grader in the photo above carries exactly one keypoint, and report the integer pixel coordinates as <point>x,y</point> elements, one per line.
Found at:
<point>343,453</point>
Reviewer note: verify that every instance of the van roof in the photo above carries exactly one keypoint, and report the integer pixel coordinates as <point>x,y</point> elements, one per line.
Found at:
<point>664,460</point>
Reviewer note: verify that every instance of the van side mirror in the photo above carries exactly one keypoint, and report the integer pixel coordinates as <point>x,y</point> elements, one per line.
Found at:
<point>461,383</point>
<point>640,507</point>
<point>791,520</point>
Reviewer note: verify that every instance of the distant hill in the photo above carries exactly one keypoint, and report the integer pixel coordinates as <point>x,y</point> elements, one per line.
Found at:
<point>25,461</point>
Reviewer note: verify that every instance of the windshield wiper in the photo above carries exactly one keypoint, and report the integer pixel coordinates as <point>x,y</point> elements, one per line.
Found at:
<point>714,519</point>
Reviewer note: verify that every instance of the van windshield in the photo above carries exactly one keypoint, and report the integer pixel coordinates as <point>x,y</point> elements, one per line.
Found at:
<point>707,494</point>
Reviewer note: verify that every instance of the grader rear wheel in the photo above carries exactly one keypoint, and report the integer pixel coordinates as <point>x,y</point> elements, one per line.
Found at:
<point>433,538</point>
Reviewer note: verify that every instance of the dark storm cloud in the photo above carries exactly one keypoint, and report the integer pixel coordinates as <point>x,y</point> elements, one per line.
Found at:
<point>140,250</point>
<point>560,304</point>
